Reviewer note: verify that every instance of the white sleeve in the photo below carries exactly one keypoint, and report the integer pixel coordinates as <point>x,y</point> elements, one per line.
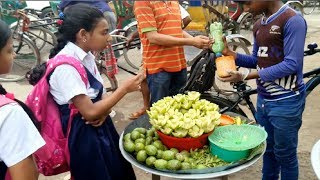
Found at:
<point>184,13</point>
<point>66,83</point>
<point>19,138</point>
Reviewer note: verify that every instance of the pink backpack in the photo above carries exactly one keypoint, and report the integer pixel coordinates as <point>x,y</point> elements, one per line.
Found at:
<point>53,158</point>
<point>4,101</point>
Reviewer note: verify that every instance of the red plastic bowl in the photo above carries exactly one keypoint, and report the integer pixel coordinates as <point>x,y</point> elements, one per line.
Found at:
<point>184,143</point>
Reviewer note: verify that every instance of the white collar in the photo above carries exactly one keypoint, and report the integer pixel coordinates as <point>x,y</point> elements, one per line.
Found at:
<point>78,52</point>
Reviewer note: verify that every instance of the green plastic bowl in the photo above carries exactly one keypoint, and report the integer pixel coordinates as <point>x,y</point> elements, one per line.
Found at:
<point>226,155</point>
<point>232,142</point>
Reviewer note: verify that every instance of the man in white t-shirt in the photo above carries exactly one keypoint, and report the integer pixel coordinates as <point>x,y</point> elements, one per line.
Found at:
<point>185,17</point>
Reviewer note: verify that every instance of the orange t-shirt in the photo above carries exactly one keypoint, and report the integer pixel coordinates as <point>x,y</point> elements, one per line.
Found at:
<point>165,18</point>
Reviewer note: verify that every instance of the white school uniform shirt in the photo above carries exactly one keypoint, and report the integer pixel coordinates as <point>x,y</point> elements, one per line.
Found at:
<point>19,138</point>
<point>65,81</point>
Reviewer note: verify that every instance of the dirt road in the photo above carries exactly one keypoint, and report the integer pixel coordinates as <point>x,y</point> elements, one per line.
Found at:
<point>309,133</point>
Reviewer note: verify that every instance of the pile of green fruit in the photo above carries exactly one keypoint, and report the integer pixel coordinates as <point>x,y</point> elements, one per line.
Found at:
<point>184,115</point>
<point>146,147</point>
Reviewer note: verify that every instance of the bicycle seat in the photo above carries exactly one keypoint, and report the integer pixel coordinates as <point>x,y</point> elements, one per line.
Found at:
<point>312,46</point>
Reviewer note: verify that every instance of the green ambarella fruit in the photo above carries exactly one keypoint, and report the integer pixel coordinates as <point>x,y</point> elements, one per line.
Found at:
<point>159,154</point>
<point>174,150</point>
<point>135,135</point>
<point>174,165</point>
<point>185,153</point>
<point>139,147</point>
<point>160,164</point>
<point>151,150</point>
<point>180,157</point>
<point>127,137</point>
<point>141,130</point>
<point>149,140</point>
<point>142,136</point>
<point>142,156</point>
<point>158,144</point>
<point>150,133</point>
<point>185,166</point>
<point>140,140</point>
<point>150,161</point>
<point>129,146</point>
<point>168,155</point>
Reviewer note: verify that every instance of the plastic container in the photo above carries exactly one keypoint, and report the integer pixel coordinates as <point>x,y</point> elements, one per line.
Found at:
<point>225,64</point>
<point>184,143</point>
<point>226,155</point>
<point>232,143</point>
<point>216,33</point>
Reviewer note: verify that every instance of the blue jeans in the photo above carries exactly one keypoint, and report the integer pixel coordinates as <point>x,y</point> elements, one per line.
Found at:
<point>164,84</point>
<point>282,120</point>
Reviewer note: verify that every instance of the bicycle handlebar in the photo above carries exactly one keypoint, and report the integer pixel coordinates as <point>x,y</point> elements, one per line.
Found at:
<point>312,49</point>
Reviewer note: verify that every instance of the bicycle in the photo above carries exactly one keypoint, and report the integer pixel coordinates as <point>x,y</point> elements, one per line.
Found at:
<point>101,58</point>
<point>242,91</point>
<point>27,53</point>
<point>305,7</point>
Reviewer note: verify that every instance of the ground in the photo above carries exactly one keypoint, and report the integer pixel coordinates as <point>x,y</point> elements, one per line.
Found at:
<point>308,135</point>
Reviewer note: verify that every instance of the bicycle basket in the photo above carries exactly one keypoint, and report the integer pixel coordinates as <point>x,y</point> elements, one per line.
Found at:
<point>238,138</point>
<point>202,73</point>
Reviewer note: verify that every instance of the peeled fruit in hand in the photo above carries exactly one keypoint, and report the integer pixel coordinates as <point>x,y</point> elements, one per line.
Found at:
<point>224,64</point>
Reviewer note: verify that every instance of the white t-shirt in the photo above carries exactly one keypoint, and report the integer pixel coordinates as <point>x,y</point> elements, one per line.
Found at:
<point>19,138</point>
<point>184,12</point>
<point>65,81</point>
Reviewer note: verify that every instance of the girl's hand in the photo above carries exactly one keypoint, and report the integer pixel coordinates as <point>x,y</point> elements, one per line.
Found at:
<point>97,122</point>
<point>134,83</point>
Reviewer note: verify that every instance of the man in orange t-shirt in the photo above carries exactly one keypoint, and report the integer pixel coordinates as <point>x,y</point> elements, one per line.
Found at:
<point>162,38</point>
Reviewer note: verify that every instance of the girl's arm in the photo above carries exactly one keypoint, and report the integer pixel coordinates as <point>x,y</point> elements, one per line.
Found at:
<point>25,169</point>
<point>93,111</point>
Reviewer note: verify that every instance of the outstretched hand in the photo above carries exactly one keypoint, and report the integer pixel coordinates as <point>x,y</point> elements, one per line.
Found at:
<point>235,76</point>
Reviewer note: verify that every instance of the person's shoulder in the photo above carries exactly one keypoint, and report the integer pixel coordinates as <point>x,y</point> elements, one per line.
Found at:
<point>10,111</point>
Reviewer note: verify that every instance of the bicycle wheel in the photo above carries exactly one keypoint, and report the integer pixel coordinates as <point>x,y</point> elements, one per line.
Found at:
<point>223,104</point>
<point>133,55</point>
<point>27,57</point>
<point>41,36</point>
<point>309,6</point>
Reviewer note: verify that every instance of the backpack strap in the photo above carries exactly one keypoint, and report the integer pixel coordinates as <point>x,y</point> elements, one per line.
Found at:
<point>4,100</point>
<point>65,59</point>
